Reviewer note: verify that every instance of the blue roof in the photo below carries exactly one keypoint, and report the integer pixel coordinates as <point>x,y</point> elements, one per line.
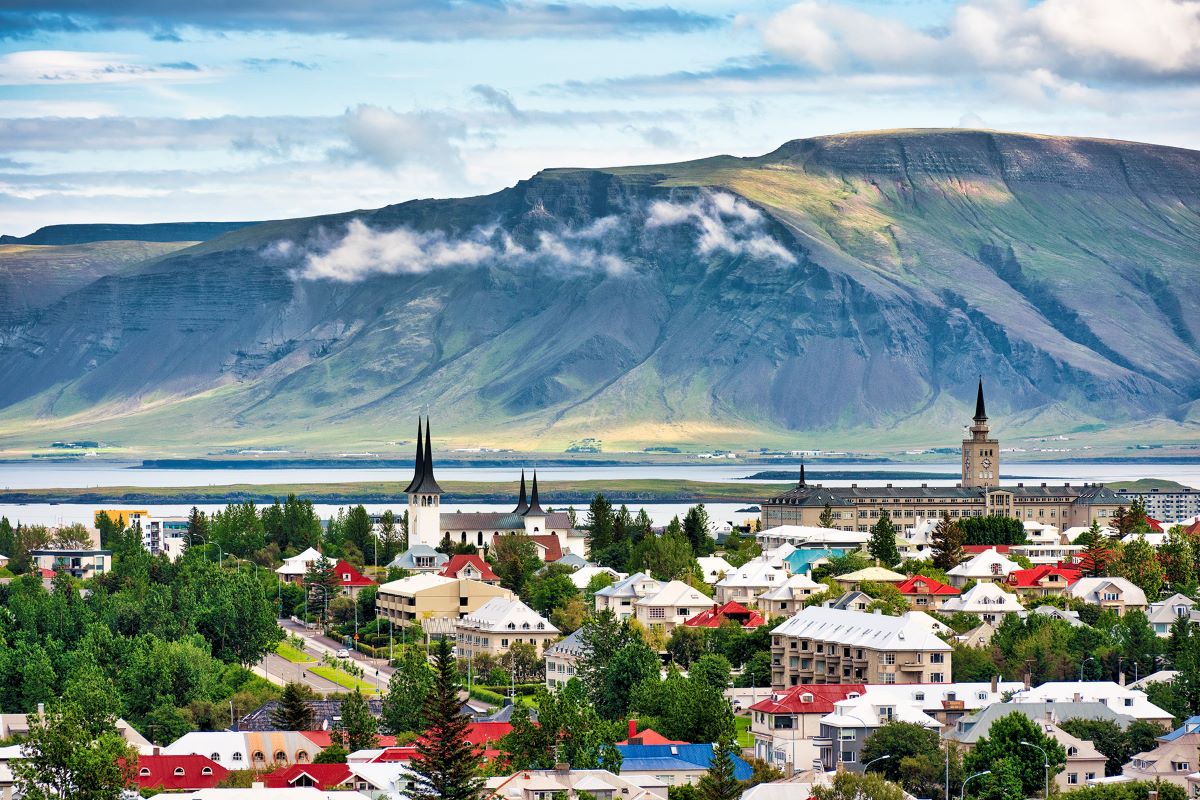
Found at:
<point>800,558</point>
<point>1190,725</point>
<point>667,757</point>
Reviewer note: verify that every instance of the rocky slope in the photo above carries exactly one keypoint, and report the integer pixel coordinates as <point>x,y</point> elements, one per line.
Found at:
<point>836,286</point>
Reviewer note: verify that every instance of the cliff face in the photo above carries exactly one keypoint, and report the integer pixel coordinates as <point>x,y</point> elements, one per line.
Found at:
<point>839,283</point>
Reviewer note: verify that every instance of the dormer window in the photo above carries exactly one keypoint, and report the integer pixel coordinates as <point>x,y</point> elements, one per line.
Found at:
<point>144,772</point>
<point>179,772</point>
<point>806,698</point>
<point>206,771</point>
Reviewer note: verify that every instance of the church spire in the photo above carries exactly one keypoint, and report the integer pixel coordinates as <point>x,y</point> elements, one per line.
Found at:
<point>416,478</point>
<point>980,411</point>
<point>426,483</point>
<point>535,507</point>
<point>522,503</point>
<point>803,483</point>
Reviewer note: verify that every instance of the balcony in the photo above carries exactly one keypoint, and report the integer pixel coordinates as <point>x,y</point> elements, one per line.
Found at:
<point>912,666</point>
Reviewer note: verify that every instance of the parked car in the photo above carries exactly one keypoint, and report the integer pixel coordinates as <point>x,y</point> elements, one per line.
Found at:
<point>343,653</point>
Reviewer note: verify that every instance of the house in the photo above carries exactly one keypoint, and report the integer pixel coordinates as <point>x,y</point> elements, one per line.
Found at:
<point>745,584</point>
<point>349,580</point>
<point>812,536</point>
<point>1053,612</point>
<point>788,598</point>
<point>713,568</point>
<point>427,597</point>
<point>259,791</point>
<point>718,615</point>
<point>575,561</point>
<point>851,601</point>
<point>1121,699</point>
<point>828,645</point>
<point>621,597</point>
<point>1042,581</point>
<point>393,781</point>
<point>236,750</point>
<point>583,576</point>
<point>979,636</point>
<point>470,567</point>
<point>1163,614</point>
<point>646,736</point>
<point>295,568</point>
<point>854,580</point>
<point>802,561</point>
<point>785,726</point>
<point>1172,760</point>
<point>175,773</point>
<point>562,658</point>
<point>15,725</point>
<point>1045,545</point>
<point>986,600</point>
<point>497,625</point>
<point>1117,594</point>
<point>420,558</point>
<point>1084,762</point>
<point>988,566</point>
<point>673,764</point>
<point>672,605</point>
<point>571,784</point>
<point>81,563</point>
<point>319,776</point>
<point>925,594</point>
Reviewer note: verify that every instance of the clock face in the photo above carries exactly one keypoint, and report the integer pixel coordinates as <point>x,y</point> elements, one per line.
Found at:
<point>987,462</point>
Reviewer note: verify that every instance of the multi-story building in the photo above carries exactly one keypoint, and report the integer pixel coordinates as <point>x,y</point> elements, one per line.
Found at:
<point>621,597</point>
<point>1169,505</point>
<point>786,726</point>
<point>978,494</point>
<point>1163,614</point>
<point>1173,760</point>
<point>926,594</point>
<point>76,563</point>
<point>985,600</point>
<point>989,566</point>
<point>562,659</point>
<point>571,784</point>
<point>497,625</point>
<point>1043,581</point>
<point>1121,699</point>
<point>674,604</point>
<point>1117,594</point>
<point>829,645</point>
<point>745,584</point>
<point>425,597</point>
<point>785,600</point>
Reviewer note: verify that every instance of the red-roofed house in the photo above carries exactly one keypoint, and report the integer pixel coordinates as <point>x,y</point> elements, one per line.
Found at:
<point>648,736</point>
<point>472,567</point>
<point>1193,529</point>
<point>1042,581</point>
<point>319,776</point>
<point>1155,525</point>
<point>393,754</point>
<point>925,594</point>
<point>178,772</point>
<point>732,611</point>
<point>976,549</point>
<point>549,549</point>
<point>351,580</point>
<point>786,723</point>
<point>323,739</point>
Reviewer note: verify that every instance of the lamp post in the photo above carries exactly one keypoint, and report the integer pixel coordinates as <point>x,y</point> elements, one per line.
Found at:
<point>963,792</point>
<point>867,765</point>
<point>1045,765</point>
<point>1081,663</point>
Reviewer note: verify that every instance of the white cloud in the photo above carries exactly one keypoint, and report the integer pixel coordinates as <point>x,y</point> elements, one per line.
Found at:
<point>389,139</point>
<point>58,67</point>
<point>725,223</point>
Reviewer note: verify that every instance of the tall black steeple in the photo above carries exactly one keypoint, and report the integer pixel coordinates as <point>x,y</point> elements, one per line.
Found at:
<point>803,483</point>
<point>426,483</point>
<point>416,478</point>
<point>535,507</point>
<point>522,504</point>
<point>980,411</point>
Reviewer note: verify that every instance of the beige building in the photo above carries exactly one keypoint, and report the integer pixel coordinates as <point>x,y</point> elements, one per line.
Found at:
<point>562,659</point>
<point>829,645</point>
<point>674,604</point>
<point>621,597</point>
<point>789,598</point>
<point>497,625</point>
<point>427,597</point>
<point>572,784</point>
<point>746,583</point>
<point>77,563</point>
<point>1172,760</point>
<point>1116,594</point>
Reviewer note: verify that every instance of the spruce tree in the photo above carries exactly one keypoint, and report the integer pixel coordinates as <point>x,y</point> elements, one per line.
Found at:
<point>320,574</point>
<point>293,712</point>
<point>446,764</point>
<point>947,543</point>
<point>718,782</point>
<point>827,516</point>
<point>408,689</point>
<point>600,525</point>
<point>358,727</point>
<point>883,541</point>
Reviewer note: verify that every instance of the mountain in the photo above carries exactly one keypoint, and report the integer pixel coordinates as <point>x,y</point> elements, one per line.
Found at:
<point>153,232</point>
<point>843,289</point>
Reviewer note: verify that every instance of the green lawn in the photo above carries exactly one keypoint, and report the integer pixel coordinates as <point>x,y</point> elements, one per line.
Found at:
<point>743,731</point>
<point>284,650</point>
<point>342,679</point>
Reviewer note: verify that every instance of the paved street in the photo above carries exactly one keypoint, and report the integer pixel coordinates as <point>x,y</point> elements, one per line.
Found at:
<point>376,671</point>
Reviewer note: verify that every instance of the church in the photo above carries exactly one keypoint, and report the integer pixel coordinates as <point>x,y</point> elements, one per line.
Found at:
<point>550,531</point>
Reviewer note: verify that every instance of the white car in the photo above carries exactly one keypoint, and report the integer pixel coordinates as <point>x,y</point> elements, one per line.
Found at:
<point>343,653</point>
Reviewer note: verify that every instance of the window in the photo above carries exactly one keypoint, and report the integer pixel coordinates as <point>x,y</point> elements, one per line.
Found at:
<point>280,755</point>
<point>258,756</point>
<point>1072,751</point>
<point>889,658</point>
<point>236,757</point>
<point>1089,776</point>
<point>216,757</point>
<point>206,771</point>
<point>144,771</point>
<point>940,658</point>
<point>936,677</point>
<point>504,642</point>
<point>1072,778</point>
<point>889,677</point>
<point>919,696</point>
<point>658,613</point>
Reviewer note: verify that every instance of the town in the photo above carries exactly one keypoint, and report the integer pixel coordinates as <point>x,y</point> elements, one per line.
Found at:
<point>877,643</point>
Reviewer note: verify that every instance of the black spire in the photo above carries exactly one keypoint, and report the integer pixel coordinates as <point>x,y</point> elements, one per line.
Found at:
<point>802,482</point>
<point>522,504</point>
<point>535,507</point>
<point>980,411</point>
<point>427,484</point>
<point>417,463</point>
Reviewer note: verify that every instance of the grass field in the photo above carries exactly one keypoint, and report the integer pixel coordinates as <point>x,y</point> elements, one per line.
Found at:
<point>342,679</point>
<point>284,650</point>
<point>743,731</point>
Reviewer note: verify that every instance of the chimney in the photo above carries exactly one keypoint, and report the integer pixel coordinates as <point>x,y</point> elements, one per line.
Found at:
<point>1077,698</point>
<point>632,728</point>
<point>1121,678</point>
<point>1028,680</point>
<point>995,683</point>
<point>41,708</point>
<point>156,749</point>
<point>562,767</point>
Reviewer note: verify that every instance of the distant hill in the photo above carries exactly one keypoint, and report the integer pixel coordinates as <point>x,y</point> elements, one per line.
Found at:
<point>849,288</point>
<point>153,232</point>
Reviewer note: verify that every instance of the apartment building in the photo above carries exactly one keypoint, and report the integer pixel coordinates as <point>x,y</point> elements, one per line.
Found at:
<point>621,597</point>
<point>426,597</point>
<point>497,625</point>
<point>562,660</point>
<point>1169,505</point>
<point>674,604</point>
<point>829,645</point>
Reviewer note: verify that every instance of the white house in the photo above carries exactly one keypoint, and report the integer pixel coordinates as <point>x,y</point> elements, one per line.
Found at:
<point>620,598</point>
<point>294,568</point>
<point>1116,594</point>
<point>986,567</point>
<point>987,600</point>
<point>745,584</point>
<point>673,604</point>
<point>713,568</point>
<point>1121,699</point>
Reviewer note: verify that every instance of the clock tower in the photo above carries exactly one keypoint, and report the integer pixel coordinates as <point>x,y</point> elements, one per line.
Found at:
<point>980,453</point>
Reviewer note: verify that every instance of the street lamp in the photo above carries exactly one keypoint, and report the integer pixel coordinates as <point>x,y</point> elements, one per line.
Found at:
<point>963,792</point>
<point>1081,663</point>
<point>867,765</point>
<point>1045,765</point>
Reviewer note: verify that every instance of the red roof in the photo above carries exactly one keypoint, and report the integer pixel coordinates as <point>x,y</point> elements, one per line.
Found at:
<point>1031,577</point>
<point>730,612</point>
<point>323,739</point>
<point>976,549</point>
<point>178,772</point>
<point>648,736</point>
<point>391,754</point>
<point>484,732</point>
<point>1193,529</point>
<point>349,576</point>
<point>1155,524</point>
<point>550,542</point>
<point>458,562</point>
<point>322,776</point>
<point>46,573</point>
<point>919,584</point>
<point>808,698</point>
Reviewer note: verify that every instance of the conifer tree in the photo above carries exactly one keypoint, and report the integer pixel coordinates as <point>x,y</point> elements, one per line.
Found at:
<point>718,782</point>
<point>446,764</point>
<point>293,712</point>
<point>947,543</point>
<point>321,583</point>
<point>1096,554</point>
<point>600,525</point>
<point>358,726</point>
<point>883,541</point>
<point>408,689</point>
<point>827,516</point>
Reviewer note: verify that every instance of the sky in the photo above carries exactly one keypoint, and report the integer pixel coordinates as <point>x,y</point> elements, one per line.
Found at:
<point>159,110</point>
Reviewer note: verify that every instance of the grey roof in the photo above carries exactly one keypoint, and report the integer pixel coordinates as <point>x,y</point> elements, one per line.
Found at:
<point>574,560</point>
<point>570,646</point>
<point>624,588</point>
<point>497,521</point>
<point>504,713</point>
<point>416,461</point>
<point>969,730</point>
<point>325,713</point>
<point>407,559</point>
<point>1069,617</point>
<point>849,599</point>
<point>819,496</point>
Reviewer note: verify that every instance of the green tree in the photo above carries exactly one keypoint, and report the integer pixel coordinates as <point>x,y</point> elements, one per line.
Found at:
<point>322,586</point>
<point>629,666</point>
<point>1122,520</point>
<point>446,765</point>
<point>1178,557</point>
<point>882,545</point>
<point>357,726</point>
<point>1003,743</point>
<point>568,730</point>
<point>389,537</point>
<point>1004,782</point>
<point>1138,563</point>
<point>333,753</point>
<point>696,531</point>
<point>358,531</point>
<point>600,525</point>
<point>667,557</point>
<point>408,689</point>
<point>946,543</point>
<point>855,786</point>
<point>683,708</point>
<point>294,712</point>
<point>826,519</point>
<point>686,645</point>
<point>1096,553</point>
<point>898,741</point>
<point>551,588</point>
<point>514,559</point>
<point>718,781</point>
<point>713,670</point>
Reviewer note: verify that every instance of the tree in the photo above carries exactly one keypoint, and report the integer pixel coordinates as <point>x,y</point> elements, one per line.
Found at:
<point>629,667</point>
<point>551,589</point>
<point>358,530</point>
<point>570,616</point>
<point>686,645</point>
<point>853,786</point>
<point>408,689</point>
<point>898,741</point>
<point>1003,743</point>
<point>600,525</point>
<point>718,781</point>
<point>714,670</point>
<point>1117,745</point>
<point>514,559</point>
<point>946,543</point>
<point>1137,563</point>
<point>357,727</point>
<point>322,586</point>
<point>568,730</point>
<point>333,753</point>
<point>826,520</point>
<point>667,557</point>
<point>882,546</point>
<point>523,662</point>
<point>389,537</point>
<point>683,708</point>
<point>1096,554</point>
<point>696,531</point>
<point>74,751</point>
<point>992,529</point>
<point>446,765</point>
<point>293,712</point>
<point>1122,520</point>
<point>1178,557</point>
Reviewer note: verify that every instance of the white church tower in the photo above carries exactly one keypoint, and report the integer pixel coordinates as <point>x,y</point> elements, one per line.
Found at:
<point>424,496</point>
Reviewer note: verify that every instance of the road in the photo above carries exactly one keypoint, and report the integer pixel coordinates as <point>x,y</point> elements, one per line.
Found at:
<point>376,672</point>
<point>280,671</point>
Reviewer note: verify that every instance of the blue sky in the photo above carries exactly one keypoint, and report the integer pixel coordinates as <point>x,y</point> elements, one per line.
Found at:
<point>154,110</point>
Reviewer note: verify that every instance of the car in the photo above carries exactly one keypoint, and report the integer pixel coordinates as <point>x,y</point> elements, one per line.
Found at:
<point>343,653</point>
